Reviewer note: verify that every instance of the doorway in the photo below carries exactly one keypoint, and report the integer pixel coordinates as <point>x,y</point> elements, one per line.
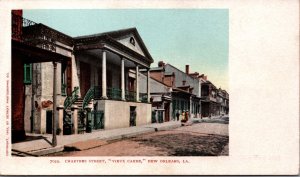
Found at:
<point>85,78</point>
<point>132,118</point>
<point>49,122</point>
<point>167,112</point>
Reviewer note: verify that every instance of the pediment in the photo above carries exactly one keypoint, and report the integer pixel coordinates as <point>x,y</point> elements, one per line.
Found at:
<point>132,42</point>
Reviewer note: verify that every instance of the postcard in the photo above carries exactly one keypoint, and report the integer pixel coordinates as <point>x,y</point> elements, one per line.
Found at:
<point>149,88</point>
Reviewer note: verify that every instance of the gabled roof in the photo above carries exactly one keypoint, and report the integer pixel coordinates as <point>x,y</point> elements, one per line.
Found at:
<point>114,35</point>
<point>180,71</point>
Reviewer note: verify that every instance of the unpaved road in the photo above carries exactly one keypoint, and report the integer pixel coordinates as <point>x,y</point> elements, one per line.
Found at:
<point>202,139</point>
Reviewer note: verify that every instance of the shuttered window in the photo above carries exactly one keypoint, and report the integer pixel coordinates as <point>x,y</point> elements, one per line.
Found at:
<point>27,73</point>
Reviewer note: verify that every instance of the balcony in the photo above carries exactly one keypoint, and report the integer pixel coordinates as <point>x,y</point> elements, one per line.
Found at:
<point>37,34</point>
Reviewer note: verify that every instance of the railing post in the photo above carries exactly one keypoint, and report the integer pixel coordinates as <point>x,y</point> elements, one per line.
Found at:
<point>60,110</point>
<point>74,110</point>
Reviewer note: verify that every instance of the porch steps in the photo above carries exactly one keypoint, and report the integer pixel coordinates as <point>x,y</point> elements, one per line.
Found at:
<point>78,103</point>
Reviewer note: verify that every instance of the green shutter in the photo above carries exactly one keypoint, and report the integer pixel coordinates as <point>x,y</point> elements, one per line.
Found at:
<point>27,73</point>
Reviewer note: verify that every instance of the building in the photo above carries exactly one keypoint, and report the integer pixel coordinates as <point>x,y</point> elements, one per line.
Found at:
<point>214,102</point>
<point>180,96</point>
<point>95,75</point>
<point>160,96</point>
<point>25,55</point>
<point>223,100</point>
<point>190,99</point>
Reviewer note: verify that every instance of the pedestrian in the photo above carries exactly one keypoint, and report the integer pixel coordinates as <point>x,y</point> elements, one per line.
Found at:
<point>183,116</point>
<point>186,116</point>
<point>177,115</point>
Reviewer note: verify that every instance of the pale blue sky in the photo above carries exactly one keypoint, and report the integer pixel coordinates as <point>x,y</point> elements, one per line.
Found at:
<point>198,37</point>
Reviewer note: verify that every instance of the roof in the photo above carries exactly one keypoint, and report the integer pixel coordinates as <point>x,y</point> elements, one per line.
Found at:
<point>181,71</point>
<point>169,73</point>
<point>115,35</point>
<point>157,69</point>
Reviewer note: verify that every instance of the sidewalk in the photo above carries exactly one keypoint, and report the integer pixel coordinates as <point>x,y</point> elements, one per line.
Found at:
<point>42,146</point>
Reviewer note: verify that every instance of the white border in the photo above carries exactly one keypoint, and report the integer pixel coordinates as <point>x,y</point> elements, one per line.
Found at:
<point>263,88</point>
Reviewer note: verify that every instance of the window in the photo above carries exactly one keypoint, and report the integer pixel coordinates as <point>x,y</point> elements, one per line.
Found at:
<point>27,73</point>
<point>132,41</point>
<point>63,83</point>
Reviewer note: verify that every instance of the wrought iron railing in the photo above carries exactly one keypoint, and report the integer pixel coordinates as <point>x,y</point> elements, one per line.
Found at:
<point>36,34</point>
<point>114,93</point>
<point>88,97</point>
<point>130,95</point>
<point>143,97</point>
<point>71,98</point>
<point>17,25</point>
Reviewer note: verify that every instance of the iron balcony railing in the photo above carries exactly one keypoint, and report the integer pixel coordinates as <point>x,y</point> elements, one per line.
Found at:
<point>114,93</point>
<point>34,34</point>
<point>130,95</point>
<point>95,92</point>
<point>143,97</point>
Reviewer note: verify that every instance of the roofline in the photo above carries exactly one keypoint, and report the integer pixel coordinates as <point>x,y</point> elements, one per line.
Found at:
<point>109,34</point>
<point>157,80</point>
<point>180,70</point>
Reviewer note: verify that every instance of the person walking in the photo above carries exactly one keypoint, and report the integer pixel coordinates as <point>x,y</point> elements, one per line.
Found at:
<point>177,115</point>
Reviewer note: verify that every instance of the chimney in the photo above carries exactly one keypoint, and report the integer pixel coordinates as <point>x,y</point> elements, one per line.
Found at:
<point>161,64</point>
<point>187,69</point>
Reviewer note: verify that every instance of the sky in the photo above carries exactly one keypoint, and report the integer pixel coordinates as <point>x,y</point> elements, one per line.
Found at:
<point>195,37</point>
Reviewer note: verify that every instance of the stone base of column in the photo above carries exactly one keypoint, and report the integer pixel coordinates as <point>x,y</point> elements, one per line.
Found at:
<point>104,98</point>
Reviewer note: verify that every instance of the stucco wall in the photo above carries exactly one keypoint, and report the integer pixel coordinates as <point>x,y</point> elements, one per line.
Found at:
<point>117,113</point>
<point>155,87</point>
<point>42,82</point>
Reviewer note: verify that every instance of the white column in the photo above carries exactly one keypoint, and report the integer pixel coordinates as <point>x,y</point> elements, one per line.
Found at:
<point>137,83</point>
<point>123,78</point>
<point>104,96</point>
<point>148,86</point>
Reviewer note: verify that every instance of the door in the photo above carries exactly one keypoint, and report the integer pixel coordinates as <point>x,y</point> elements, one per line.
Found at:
<point>49,122</point>
<point>132,118</point>
<point>85,78</point>
<point>167,112</point>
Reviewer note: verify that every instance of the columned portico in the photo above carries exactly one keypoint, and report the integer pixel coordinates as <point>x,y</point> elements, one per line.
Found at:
<point>104,83</point>
<point>137,83</point>
<point>122,79</point>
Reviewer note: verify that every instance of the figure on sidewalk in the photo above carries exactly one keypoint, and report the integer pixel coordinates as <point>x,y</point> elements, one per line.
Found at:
<point>177,115</point>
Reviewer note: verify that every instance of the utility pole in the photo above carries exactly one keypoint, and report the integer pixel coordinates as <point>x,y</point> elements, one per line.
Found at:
<point>54,141</point>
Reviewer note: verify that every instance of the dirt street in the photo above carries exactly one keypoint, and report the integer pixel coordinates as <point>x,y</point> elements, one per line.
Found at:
<point>202,139</point>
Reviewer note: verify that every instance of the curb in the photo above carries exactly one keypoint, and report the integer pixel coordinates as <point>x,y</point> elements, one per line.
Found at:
<point>51,150</point>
